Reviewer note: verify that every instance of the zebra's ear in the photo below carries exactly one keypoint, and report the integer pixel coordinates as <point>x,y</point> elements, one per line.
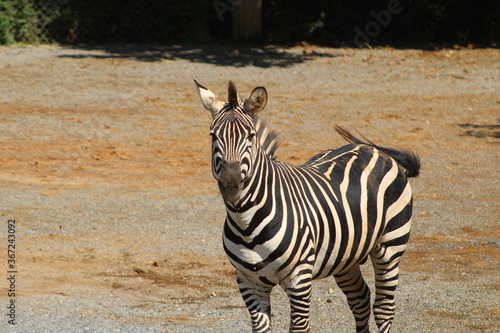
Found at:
<point>257,100</point>
<point>232,95</point>
<point>208,99</point>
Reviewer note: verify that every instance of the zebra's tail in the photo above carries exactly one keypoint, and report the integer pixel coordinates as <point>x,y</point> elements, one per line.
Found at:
<point>405,157</point>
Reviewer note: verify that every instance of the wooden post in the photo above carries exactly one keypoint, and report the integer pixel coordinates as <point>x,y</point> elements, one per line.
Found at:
<point>247,20</point>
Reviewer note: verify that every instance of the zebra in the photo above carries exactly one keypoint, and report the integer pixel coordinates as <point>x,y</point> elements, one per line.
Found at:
<point>288,225</point>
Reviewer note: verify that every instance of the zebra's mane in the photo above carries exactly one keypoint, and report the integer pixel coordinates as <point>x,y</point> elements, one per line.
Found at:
<point>268,138</point>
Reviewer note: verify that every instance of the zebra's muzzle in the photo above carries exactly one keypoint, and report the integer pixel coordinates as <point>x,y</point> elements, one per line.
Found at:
<point>230,181</point>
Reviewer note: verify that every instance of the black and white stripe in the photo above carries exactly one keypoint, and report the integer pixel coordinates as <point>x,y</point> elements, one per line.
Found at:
<point>288,225</point>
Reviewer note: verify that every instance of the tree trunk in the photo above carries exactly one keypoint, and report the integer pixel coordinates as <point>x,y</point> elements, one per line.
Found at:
<point>247,20</point>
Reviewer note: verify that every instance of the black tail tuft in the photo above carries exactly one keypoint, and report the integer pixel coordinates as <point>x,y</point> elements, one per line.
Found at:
<point>405,157</point>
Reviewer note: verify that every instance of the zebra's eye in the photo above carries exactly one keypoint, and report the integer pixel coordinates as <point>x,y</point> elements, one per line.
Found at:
<point>251,136</point>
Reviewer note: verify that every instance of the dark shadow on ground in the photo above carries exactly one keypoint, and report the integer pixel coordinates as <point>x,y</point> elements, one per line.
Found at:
<point>481,131</point>
<point>220,55</point>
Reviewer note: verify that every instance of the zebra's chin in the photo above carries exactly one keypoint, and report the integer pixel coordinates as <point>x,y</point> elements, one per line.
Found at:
<point>230,193</point>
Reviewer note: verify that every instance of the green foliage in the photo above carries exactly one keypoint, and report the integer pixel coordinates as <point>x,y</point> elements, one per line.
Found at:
<point>17,18</point>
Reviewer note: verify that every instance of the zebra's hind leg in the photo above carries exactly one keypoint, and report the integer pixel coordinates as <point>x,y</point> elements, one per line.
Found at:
<point>358,296</point>
<point>258,302</point>
<point>385,260</point>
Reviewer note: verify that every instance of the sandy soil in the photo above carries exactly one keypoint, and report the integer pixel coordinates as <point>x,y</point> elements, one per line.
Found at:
<point>105,156</point>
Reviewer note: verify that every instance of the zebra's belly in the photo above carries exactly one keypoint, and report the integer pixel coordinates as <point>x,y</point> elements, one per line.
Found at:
<point>255,267</point>
<point>334,267</point>
<point>338,254</point>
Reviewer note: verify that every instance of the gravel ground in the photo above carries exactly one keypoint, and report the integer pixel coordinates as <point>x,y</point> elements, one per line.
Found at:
<point>105,169</point>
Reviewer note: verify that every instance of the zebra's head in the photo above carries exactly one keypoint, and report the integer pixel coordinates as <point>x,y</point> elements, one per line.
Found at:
<point>234,137</point>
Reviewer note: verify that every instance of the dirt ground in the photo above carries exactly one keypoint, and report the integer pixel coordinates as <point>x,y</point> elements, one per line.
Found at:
<point>104,166</point>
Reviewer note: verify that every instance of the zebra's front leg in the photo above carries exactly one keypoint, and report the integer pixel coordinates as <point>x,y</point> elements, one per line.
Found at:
<point>299,290</point>
<point>257,300</point>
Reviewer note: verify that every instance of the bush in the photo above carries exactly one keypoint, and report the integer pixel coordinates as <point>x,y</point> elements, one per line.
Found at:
<point>17,20</point>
